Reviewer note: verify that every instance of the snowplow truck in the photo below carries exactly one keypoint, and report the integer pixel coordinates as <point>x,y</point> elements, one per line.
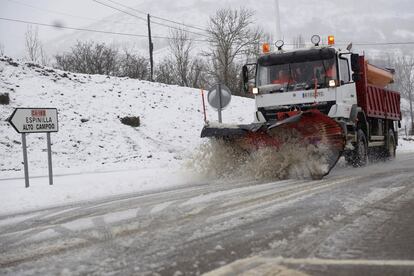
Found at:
<point>330,98</point>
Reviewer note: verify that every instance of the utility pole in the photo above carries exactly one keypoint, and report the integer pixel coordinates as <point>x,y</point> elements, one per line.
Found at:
<point>278,29</point>
<point>151,49</point>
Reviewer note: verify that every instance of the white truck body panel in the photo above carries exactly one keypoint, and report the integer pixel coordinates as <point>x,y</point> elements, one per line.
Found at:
<point>295,97</point>
<point>344,96</point>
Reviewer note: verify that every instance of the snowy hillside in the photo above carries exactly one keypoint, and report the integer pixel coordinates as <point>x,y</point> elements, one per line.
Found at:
<point>91,136</point>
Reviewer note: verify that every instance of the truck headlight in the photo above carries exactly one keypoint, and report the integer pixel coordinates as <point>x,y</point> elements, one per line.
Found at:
<point>255,90</point>
<point>332,83</point>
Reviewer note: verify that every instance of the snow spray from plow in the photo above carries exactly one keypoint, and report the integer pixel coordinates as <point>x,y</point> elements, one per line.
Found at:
<point>299,145</point>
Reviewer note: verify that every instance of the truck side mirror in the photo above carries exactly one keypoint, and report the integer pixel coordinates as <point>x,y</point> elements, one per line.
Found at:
<point>245,74</point>
<point>355,63</point>
<point>356,77</point>
<point>248,81</point>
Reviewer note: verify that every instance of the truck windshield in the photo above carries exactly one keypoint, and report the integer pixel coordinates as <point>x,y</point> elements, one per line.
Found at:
<point>297,76</point>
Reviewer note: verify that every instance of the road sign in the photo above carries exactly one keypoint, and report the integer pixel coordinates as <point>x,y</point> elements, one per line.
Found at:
<point>219,96</point>
<point>34,120</point>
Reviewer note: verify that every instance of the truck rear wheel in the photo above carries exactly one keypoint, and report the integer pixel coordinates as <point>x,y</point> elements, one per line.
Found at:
<point>390,148</point>
<point>359,156</point>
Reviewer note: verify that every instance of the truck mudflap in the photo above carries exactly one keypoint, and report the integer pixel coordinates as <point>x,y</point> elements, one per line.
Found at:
<point>297,130</point>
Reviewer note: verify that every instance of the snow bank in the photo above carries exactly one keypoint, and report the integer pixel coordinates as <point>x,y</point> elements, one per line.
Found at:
<point>83,187</point>
<point>405,144</point>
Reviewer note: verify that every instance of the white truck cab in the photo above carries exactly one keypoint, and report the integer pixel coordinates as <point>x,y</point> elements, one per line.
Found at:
<point>320,76</point>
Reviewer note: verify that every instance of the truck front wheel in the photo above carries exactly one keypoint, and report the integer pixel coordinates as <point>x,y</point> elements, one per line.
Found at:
<point>359,156</point>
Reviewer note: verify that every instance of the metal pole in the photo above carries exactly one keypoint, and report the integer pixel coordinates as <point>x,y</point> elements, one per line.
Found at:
<point>277,17</point>
<point>151,49</point>
<point>49,158</point>
<point>220,103</point>
<point>26,165</point>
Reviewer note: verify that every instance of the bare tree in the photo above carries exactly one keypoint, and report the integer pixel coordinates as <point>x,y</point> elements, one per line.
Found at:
<point>180,47</point>
<point>90,58</point>
<point>231,40</point>
<point>105,59</point>
<point>404,81</point>
<point>34,49</point>
<point>133,66</point>
<point>164,72</point>
<point>1,49</point>
<point>187,70</point>
<point>44,58</point>
<point>198,73</point>
<point>32,44</point>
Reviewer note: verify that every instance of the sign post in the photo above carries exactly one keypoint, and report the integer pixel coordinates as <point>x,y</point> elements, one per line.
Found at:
<point>49,158</point>
<point>26,166</point>
<point>35,120</point>
<point>220,106</point>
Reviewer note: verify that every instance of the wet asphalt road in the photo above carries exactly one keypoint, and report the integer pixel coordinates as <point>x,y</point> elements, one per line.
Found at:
<point>353,222</point>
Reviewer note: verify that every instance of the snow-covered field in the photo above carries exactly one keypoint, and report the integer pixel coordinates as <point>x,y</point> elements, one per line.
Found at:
<point>94,155</point>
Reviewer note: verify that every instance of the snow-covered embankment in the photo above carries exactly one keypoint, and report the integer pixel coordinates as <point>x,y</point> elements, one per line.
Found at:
<point>91,138</point>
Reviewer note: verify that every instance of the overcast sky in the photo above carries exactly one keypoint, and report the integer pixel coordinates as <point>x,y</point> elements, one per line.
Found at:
<point>351,20</point>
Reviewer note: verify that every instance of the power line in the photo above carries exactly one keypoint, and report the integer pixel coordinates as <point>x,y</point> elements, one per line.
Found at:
<point>160,18</point>
<point>169,38</point>
<point>62,13</point>
<point>112,7</point>
<point>157,23</point>
<point>160,51</point>
<point>141,18</point>
<point>92,30</point>
<point>52,11</point>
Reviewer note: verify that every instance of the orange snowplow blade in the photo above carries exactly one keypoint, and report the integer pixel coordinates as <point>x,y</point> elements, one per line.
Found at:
<point>299,128</point>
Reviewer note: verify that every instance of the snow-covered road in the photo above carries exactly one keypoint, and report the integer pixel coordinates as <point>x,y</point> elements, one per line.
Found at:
<point>353,214</point>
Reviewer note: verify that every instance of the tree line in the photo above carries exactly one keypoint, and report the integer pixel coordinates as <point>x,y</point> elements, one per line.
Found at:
<point>232,39</point>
